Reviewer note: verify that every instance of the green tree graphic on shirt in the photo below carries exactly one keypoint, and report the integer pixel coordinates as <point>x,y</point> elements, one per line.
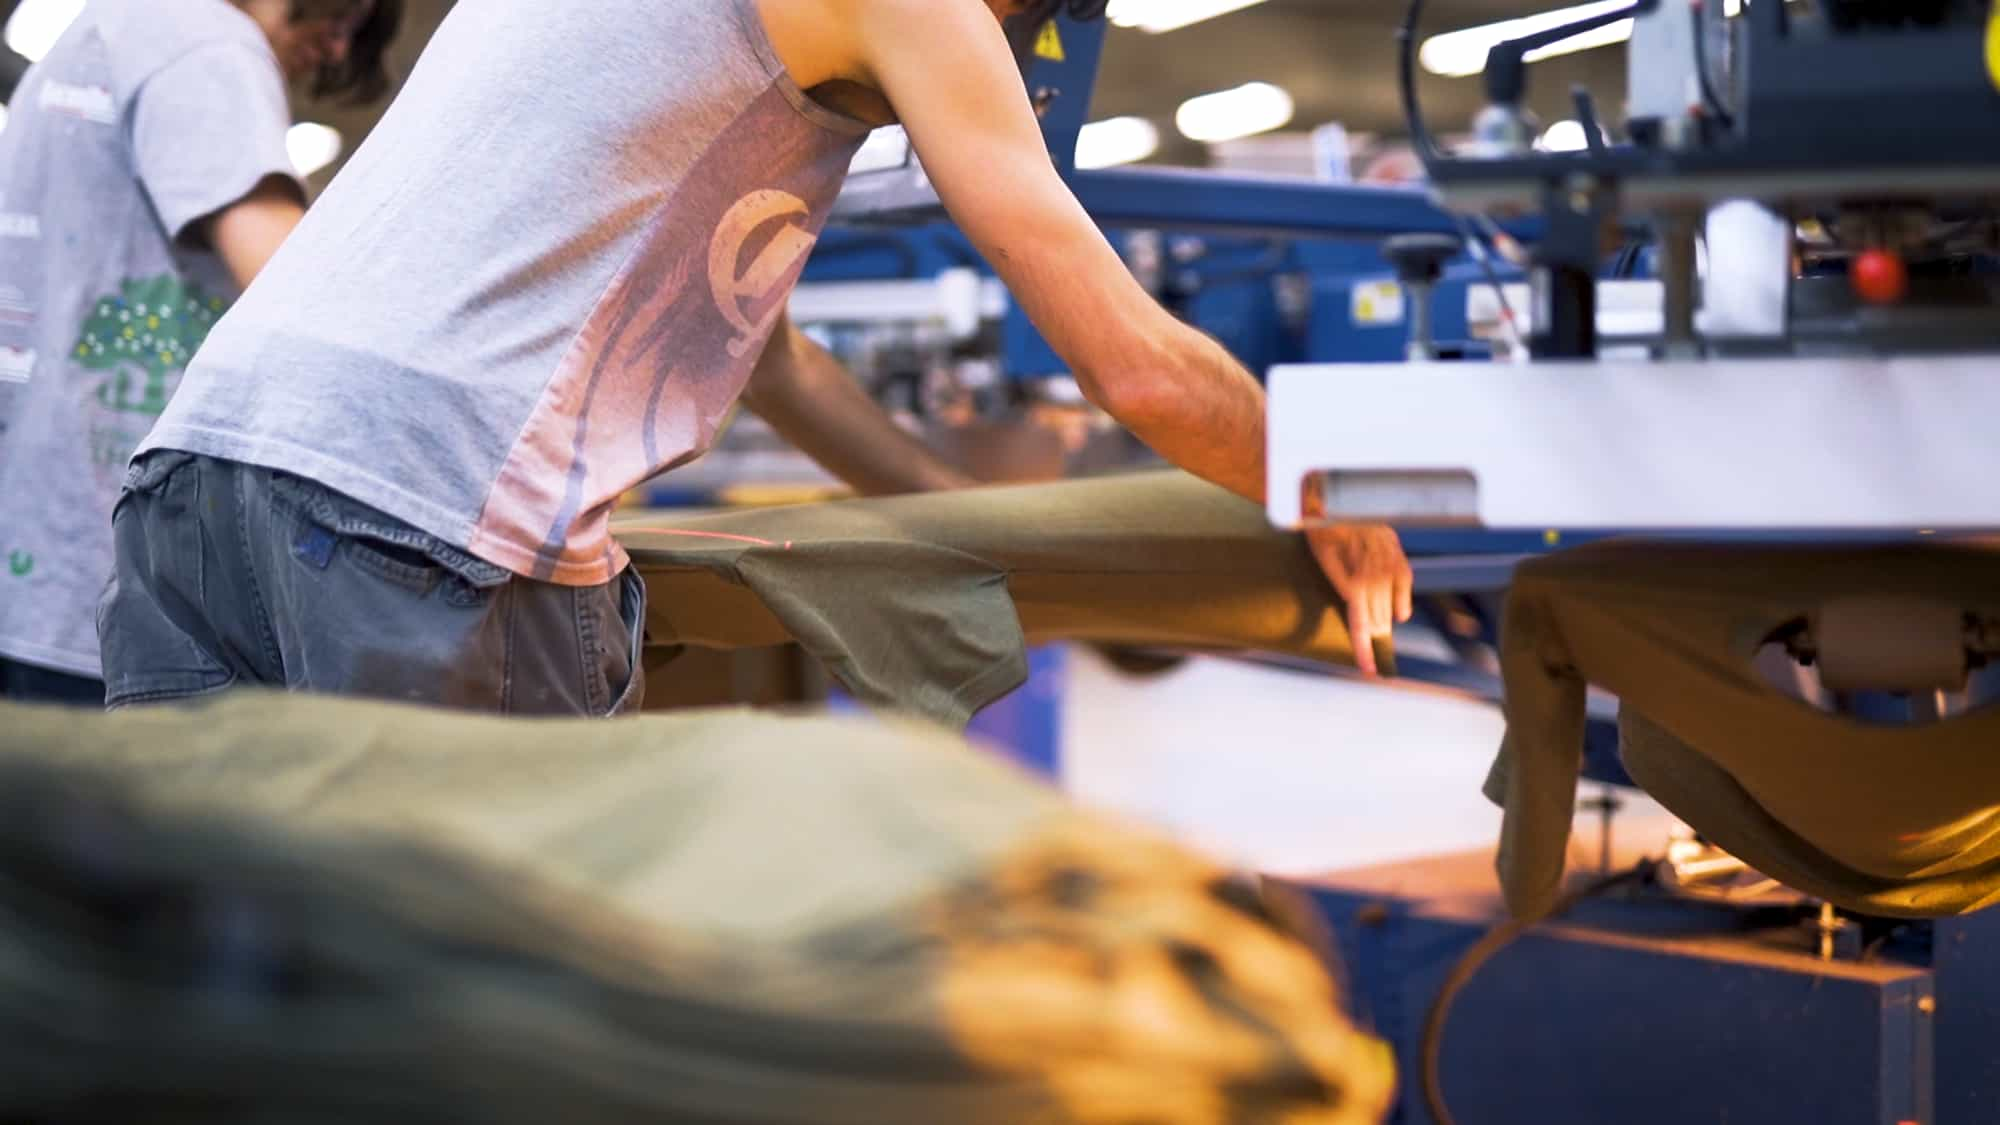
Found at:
<point>141,335</point>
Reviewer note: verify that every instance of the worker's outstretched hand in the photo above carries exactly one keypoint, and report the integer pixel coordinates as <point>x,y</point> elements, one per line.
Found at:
<point>1370,573</point>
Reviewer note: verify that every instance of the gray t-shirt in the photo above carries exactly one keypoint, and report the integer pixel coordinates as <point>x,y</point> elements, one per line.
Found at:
<point>543,279</point>
<point>147,116</point>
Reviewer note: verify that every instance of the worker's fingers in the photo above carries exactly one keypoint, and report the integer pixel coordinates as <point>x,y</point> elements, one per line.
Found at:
<point>1327,555</point>
<point>1361,631</point>
<point>1406,607</point>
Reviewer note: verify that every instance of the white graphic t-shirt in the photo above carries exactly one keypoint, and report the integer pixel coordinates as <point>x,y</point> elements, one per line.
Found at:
<point>544,278</point>
<point>146,117</point>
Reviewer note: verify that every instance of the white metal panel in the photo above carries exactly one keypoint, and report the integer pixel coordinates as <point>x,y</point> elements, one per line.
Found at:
<point>1805,444</point>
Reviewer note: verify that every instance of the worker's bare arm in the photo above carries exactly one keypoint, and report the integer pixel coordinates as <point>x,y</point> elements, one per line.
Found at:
<point>246,233</point>
<point>946,68</point>
<point>805,394</point>
<point>970,120</point>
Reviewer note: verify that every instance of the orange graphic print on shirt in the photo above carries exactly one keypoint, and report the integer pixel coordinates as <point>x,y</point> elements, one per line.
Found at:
<point>663,356</point>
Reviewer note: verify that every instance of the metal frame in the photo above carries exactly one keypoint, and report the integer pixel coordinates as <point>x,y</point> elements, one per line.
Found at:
<point>1174,198</point>
<point>1821,115</point>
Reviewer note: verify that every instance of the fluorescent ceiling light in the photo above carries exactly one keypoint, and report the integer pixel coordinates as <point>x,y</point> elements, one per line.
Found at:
<point>1460,54</point>
<point>1156,16</point>
<point>1227,115</point>
<point>1116,140</point>
<point>312,146</point>
<point>37,24</point>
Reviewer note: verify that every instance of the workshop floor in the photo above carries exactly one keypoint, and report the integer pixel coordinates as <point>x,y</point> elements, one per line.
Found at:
<point>1292,773</point>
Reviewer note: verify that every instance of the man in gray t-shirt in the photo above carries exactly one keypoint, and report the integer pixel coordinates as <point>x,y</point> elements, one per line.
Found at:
<point>143,181</point>
<point>563,256</point>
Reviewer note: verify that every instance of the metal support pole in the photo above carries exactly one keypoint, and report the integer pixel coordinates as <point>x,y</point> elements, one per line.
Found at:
<point>1423,333</point>
<point>1677,273</point>
<point>1564,280</point>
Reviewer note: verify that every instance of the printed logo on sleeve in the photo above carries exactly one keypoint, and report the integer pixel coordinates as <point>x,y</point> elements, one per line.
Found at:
<point>92,103</point>
<point>17,365</point>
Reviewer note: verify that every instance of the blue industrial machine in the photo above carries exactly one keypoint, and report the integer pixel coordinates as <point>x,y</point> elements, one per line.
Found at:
<point>1658,998</point>
<point>1231,242</point>
<point>1652,1008</point>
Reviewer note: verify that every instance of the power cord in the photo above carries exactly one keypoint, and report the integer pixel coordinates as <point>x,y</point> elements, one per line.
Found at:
<point>1484,257</point>
<point>1406,78</point>
<point>1431,1047</point>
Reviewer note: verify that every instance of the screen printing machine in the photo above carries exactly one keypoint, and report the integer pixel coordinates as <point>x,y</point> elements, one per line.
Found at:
<point>1758,309</point>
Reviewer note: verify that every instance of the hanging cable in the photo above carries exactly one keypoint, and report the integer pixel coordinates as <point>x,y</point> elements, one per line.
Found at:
<point>1484,257</point>
<point>1431,1048</point>
<point>1413,112</point>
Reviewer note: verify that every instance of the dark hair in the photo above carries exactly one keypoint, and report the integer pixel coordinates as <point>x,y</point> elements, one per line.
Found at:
<point>363,76</point>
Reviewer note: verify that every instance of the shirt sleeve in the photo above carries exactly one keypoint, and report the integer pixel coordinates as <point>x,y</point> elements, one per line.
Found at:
<point>207,128</point>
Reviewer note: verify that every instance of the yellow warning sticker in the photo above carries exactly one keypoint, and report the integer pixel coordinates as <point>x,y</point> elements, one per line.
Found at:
<point>1048,45</point>
<point>1993,45</point>
<point>1376,303</point>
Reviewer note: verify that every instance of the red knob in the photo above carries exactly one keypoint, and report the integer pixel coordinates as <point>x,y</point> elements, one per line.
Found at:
<point>1879,277</point>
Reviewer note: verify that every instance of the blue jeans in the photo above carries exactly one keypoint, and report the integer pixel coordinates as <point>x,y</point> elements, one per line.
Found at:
<point>231,574</point>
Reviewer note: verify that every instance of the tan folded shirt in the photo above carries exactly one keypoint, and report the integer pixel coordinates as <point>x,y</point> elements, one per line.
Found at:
<point>1901,820</point>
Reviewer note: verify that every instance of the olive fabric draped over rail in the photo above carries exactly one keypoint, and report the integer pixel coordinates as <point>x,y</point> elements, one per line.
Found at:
<point>1895,820</point>
<point>926,603</point>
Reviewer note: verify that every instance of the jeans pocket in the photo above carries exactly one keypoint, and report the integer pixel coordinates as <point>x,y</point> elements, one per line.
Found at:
<point>149,473</point>
<point>151,623</point>
<point>329,525</point>
<point>620,664</point>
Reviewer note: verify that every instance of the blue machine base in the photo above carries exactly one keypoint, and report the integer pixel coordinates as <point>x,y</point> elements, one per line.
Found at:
<point>1641,1012</point>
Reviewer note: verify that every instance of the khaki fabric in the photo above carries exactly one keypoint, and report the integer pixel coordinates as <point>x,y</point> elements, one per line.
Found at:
<point>1893,819</point>
<point>297,910</point>
<point>926,603</point>
<point>729,825</point>
<point>1691,785</point>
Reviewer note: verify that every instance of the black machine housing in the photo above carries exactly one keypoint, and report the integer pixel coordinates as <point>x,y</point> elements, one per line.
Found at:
<point>1877,122</point>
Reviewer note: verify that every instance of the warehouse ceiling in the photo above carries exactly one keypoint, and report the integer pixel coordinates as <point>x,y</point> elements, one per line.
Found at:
<point>1336,57</point>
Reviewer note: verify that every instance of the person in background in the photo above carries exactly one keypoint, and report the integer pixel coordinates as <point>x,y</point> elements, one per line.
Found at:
<point>1395,165</point>
<point>143,182</point>
<point>563,256</point>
